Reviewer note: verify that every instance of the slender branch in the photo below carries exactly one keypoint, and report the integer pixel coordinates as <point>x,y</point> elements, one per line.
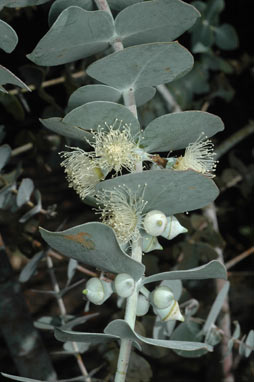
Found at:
<point>239,258</point>
<point>63,313</point>
<point>169,99</point>
<point>225,321</point>
<point>131,305</point>
<point>234,139</point>
<point>22,149</point>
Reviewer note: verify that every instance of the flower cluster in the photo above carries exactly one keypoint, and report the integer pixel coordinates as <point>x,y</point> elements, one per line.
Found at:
<point>114,149</point>
<point>122,210</point>
<point>198,156</point>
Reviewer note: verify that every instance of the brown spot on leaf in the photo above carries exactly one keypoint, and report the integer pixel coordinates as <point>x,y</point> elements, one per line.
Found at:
<point>167,69</point>
<point>82,238</point>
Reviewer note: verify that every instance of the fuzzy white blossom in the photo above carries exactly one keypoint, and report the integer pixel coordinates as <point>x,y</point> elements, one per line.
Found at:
<point>198,156</point>
<point>116,147</point>
<point>122,210</point>
<point>82,172</point>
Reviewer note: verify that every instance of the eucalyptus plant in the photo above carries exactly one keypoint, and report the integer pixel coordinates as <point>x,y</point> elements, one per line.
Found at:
<point>124,171</point>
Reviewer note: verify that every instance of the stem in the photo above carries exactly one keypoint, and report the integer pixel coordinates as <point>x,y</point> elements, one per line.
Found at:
<point>131,304</point>
<point>63,313</point>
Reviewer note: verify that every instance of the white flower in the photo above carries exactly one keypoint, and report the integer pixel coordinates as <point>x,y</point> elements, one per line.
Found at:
<point>122,210</point>
<point>82,172</point>
<point>116,147</point>
<point>198,156</point>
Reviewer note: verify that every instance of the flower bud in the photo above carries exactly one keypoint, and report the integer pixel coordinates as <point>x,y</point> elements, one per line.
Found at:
<point>155,222</point>
<point>142,305</point>
<point>150,243</point>
<point>173,228</point>
<point>162,297</point>
<point>172,312</point>
<point>97,291</point>
<point>124,285</point>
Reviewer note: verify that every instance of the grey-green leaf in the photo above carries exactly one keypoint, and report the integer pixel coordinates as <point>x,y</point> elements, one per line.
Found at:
<point>9,38</point>
<point>5,154</point>
<point>226,37</point>
<point>75,34</point>
<point>94,244</point>
<point>91,338</point>
<point>250,343</point>
<point>94,114</point>
<point>123,330</point>
<point>176,130</point>
<point>57,125</point>
<point>188,331</point>
<point>60,5</point>
<point>118,5</point>
<point>144,65</point>
<point>24,192</point>
<point>31,267</point>
<point>212,270</point>
<point>35,210</point>
<point>154,21</point>
<point>216,308</point>
<point>168,190</point>
<point>21,379</point>
<point>7,77</point>
<point>90,93</point>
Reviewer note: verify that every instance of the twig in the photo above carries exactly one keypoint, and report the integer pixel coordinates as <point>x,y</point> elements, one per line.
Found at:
<point>22,149</point>
<point>63,312</point>
<point>225,321</point>
<point>239,258</point>
<point>234,139</point>
<point>170,100</point>
<point>45,84</point>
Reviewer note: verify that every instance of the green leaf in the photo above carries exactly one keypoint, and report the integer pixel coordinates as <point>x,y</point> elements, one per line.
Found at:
<point>35,210</point>
<point>31,267</point>
<point>121,329</point>
<point>168,191</point>
<point>93,114</point>
<point>90,93</point>
<point>94,244</point>
<point>7,77</point>
<point>144,65</point>
<point>226,37</point>
<point>60,5</point>
<point>21,3</point>
<point>154,21</point>
<point>216,308</point>
<point>25,190</point>
<point>91,338</point>
<point>75,34</point>
<point>57,125</point>
<point>21,379</point>
<point>188,331</point>
<point>213,270</point>
<point>176,130</point>
<point>250,343</point>
<point>118,5</point>
<point>5,154</point>
<point>9,38</point>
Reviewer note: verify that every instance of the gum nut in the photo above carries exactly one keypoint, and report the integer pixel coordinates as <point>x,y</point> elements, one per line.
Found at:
<point>155,222</point>
<point>142,306</point>
<point>150,243</point>
<point>124,285</point>
<point>94,291</point>
<point>171,313</point>
<point>173,228</point>
<point>162,297</point>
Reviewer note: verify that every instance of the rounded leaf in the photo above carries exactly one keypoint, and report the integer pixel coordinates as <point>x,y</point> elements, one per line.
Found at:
<point>9,38</point>
<point>75,34</point>
<point>168,190</point>
<point>60,5</point>
<point>142,65</point>
<point>176,130</point>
